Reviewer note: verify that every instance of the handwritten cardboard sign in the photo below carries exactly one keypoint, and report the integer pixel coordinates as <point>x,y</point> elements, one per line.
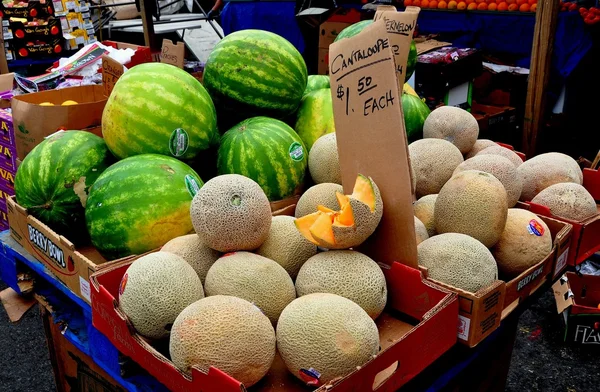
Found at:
<point>400,27</point>
<point>172,53</point>
<point>111,72</point>
<point>371,137</point>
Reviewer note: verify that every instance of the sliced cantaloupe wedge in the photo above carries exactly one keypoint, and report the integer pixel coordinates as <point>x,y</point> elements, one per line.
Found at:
<point>356,220</point>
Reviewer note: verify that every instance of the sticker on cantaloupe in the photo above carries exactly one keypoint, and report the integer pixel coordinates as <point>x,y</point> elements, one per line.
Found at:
<point>356,220</point>
<point>534,227</point>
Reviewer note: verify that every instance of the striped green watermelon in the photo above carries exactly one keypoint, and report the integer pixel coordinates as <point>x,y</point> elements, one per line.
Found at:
<point>140,203</point>
<point>315,116</point>
<point>356,28</point>
<point>53,180</point>
<point>316,82</point>
<point>254,73</point>
<point>268,151</point>
<point>415,112</point>
<point>157,108</point>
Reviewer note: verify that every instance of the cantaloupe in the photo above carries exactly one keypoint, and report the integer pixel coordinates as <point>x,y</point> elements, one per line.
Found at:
<point>433,161</point>
<point>501,168</point>
<point>480,145</point>
<point>320,194</point>
<point>230,213</point>
<point>349,227</point>
<point>472,203</point>
<point>225,332</point>
<point>286,246</point>
<point>155,289</point>
<point>458,260</point>
<point>324,161</point>
<point>525,241</point>
<point>253,278</point>
<point>568,200</point>
<point>327,333</point>
<point>504,152</point>
<point>191,248</point>
<point>541,171</point>
<point>453,124</point>
<point>424,208</point>
<point>347,273</point>
<point>420,231</point>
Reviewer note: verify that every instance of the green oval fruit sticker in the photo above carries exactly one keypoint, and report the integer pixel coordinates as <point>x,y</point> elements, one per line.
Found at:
<point>296,151</point>
<point>192,185</point>
<point>178,142</point>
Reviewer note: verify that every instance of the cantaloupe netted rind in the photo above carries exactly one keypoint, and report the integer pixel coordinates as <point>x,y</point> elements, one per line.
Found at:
<point>191,248</point>
<point>458,260</point>
<point>504,152</point>
<point>324,161</point>
<point>501,168</point>
<point>424,208</point>
<point>254,278</point>
<point>320,194</point>
<point>525,241</point>
<point>347,273</point>
<point>328,333</point>
<point>230,213</point>
<point>472,203</point>
<point>286,246</point>
<point>453,124</point>
<point>568,200</point>
<point>420,231</point>
<point>480,145</point>
<point>433,161</point>
<point>155,289</point>
<point>225,332</point>
<point>541,171</point>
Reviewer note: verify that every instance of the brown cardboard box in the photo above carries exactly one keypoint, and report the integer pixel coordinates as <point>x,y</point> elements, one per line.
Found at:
<point>6,84</point>
<point>328,32</point>
<point>323,68</point>
<point>32,122</point>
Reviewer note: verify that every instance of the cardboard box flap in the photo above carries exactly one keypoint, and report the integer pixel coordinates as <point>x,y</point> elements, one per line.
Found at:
<point>368,117</point>
<point>562,294</point>
<point>584,291</point>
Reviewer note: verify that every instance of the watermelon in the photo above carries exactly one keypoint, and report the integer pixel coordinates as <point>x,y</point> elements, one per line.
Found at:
<point>254,73</point>
<point>353,30</point>
<point>415,112</point>
<point>316,82</point>
<point>356,28</point>
<point>53,180</point>
<point>157,108</point>
<point>315,117</point>
<point>140,203</point>
<point>269,152</point>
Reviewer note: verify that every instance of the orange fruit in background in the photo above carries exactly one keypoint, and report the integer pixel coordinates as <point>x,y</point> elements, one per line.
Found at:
<point>524,8</point>
<point>519,2</point>
<point>472,7</point>
<point>424,3</point>
<point>513,7</point>
<point>492,7</point>
<point>482,7</point>
<point>442,5</point>
<point>461,6</point>
<point>416,3</point>
<point>533,7</point>
<point>433,4</point>
<point>480,1</point>
<point>511,2</point>
<point>491,2</point>
<point>452,5</point>
<point>532,2</point>
<point>502,6</point>
<point>469,1</point>
<point>408,3</point>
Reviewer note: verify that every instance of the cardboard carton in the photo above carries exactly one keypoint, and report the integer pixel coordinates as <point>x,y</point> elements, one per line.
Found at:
<point>585,240</point>
<point>33,122</point>
<point>6,84</point>
<point>323,66</point>
<point>497,121</point>
<point>431,308</point>
<point>578,299</point>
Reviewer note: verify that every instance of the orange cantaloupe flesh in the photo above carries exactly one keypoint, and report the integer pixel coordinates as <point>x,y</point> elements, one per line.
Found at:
<point>322,230</point>
<point>325,210</point>
<point>303,224</point>
<point>363,191</point>
<point>345,217</point>
<point>342,199</point>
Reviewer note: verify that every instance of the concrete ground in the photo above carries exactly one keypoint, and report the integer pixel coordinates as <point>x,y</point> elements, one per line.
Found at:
<point>541,361</point>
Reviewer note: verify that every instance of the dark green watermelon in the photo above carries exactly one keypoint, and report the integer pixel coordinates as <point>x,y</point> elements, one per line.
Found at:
<point>415,113</point>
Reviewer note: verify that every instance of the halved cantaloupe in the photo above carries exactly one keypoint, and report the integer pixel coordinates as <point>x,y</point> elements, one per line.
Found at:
<point>349,227</point>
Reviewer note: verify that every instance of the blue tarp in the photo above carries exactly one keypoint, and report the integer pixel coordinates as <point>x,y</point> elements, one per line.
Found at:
<point>495,32</point>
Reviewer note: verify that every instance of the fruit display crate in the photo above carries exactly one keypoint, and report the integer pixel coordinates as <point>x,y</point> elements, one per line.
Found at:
<point>74,315</point>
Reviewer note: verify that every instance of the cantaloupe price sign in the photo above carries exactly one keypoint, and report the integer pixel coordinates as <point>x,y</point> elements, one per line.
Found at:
<point>371,137</point>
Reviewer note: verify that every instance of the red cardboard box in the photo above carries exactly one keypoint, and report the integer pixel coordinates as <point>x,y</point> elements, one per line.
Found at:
<point>143,54</point>
<point>403,352</point>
